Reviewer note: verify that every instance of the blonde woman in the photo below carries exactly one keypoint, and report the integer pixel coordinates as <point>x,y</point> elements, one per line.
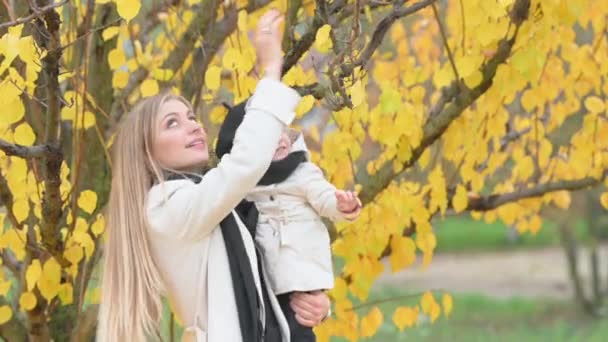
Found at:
<point>174,233</point>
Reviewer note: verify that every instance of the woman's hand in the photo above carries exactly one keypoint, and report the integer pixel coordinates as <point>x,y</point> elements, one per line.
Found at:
<point>310,307</point>
<point>268,44</point>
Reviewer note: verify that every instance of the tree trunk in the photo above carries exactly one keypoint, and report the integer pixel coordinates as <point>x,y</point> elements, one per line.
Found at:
<point>569,244</point>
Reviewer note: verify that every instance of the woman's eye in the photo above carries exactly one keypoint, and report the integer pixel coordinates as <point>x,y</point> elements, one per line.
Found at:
<point>171,123</point>
<point>193,118</point>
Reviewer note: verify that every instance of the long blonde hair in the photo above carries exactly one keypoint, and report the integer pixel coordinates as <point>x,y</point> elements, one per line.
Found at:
<point>132,288</point>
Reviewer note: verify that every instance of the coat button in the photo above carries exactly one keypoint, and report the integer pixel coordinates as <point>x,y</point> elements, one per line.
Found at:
<point>271,198</point>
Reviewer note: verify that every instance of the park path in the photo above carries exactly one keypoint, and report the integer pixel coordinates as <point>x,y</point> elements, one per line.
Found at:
<point>522,273</point>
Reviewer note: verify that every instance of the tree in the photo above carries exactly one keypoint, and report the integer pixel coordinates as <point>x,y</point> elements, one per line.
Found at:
<point>428,108</point>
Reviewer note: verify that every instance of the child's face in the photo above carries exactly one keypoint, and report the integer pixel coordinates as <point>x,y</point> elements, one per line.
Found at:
<point>284,147</point>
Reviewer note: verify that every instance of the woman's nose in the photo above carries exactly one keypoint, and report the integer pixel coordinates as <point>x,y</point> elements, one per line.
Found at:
<point>195,127</point>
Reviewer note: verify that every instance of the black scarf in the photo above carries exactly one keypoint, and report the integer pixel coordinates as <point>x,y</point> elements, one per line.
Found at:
<point>245,293</point>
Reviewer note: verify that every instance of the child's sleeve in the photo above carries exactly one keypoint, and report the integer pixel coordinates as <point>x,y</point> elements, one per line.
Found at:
<point>321,194</point>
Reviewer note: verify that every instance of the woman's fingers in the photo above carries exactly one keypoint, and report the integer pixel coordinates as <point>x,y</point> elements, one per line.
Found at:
<point>268,18</point>
<point>268,43</point>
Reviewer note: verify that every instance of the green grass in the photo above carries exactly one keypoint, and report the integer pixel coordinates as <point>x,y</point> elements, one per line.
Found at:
<point>478,318</point>
<point>461,234</point>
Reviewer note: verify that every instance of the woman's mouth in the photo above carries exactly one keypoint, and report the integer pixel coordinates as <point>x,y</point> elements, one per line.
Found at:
<point>198,144</point>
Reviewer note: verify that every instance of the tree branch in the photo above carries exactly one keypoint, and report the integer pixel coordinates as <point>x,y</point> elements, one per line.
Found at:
<point>51,202</point>
<point>199,25</point>
<point>6,196</point>
<point>38,12</point>
<point>293,6</point>
<point>444,38</point>
<point>26,152</point>
<point>320,91</point>
<point>436,125</point>
<point>382,28</point>
<point>494,201</point>
<point>307,40</point>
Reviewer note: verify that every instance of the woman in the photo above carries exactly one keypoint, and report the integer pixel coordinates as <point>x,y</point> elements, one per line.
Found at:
<point>174,235</point>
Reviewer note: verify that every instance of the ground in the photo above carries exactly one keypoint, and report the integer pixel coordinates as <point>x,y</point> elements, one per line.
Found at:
<point>504,274</point>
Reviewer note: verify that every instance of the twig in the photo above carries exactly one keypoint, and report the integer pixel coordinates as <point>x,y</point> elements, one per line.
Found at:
<point>97,29</point>
<point>463,27</point>
<point>444,37</point>
<point>390,299</point>
<point>37,13</point>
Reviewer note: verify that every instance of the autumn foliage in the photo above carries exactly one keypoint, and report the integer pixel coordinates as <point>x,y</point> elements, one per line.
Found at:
<point>428,108</point>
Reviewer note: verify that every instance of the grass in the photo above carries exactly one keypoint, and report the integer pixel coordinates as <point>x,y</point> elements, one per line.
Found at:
<point>461,234</point>
<point>478,318</point>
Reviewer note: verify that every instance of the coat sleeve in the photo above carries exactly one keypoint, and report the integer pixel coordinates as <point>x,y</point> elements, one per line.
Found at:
<point>194,210</point>
<point>321,194</point>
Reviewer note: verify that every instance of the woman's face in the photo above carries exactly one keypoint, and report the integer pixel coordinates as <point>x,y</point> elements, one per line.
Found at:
<point>181,143</point>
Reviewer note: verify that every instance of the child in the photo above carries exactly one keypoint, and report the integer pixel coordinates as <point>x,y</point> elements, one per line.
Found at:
<point>290,198</point>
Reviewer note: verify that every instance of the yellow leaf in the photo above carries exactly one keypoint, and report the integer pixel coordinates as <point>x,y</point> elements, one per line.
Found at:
<point>74,254</point>
<point>474,79</point>
<point>371,322</point>
<point>562,199</point>
<point>81,225</point>
<point>594,104</point>
<point>403,252</point>
<point>66,294</point>
<point>98,226</point>
<point>217,114</point>
<point>604,200</point>
<point>21,209</point>
<point>340,289</point>
<point>427,302</point>
<point>149,88</point>
<point>34,270</point>
<point>87,201</point>
<point>467,65</point>
<point>110,32</point>
<point>305,105</point>
<point>49,281</point>
<point>242,21</point>
<point>120,79</point>
<point>212,77</point>
<point>535,224</point>
<point>357,93</point>
<point>5,286</point>
<point>116,58</point>
<point>89,120</point>
<point>438,192</point>
<point>322,40</point>
<point>430,306</point>
<point>24,135</point>
<point>230,59</point>
<point>13,111</point>
<point>163,74</point>
<point>128,9</point>
<point>460,200</point>
<point>5,314</point>
<point>447,304</point>
<point>405,317</point>
<point>27,301</point>
<point>84,239</point>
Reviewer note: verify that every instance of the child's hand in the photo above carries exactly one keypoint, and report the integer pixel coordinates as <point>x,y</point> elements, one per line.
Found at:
<point>348,203</point>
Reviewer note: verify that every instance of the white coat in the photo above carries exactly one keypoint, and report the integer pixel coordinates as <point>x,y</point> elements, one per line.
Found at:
<point>183,218</point>
<point>294,240</point>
